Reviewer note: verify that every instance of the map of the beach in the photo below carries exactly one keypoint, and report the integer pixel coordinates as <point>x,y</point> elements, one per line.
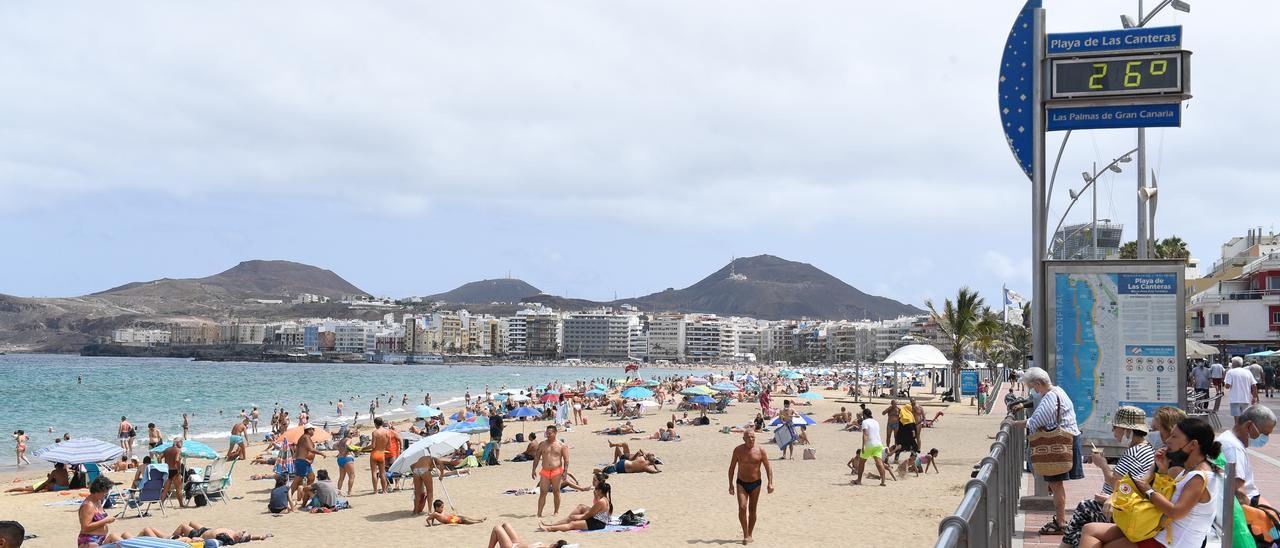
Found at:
<point>1115,343</point>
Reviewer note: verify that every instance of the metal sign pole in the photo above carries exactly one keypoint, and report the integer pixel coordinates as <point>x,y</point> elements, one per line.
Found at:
<point>1039,322</point>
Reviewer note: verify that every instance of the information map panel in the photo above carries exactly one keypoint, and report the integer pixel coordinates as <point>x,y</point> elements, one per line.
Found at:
<point>1116,339</point>
<point>1124,75</point>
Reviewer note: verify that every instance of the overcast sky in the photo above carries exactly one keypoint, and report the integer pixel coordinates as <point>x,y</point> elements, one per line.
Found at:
<point>586,147</point>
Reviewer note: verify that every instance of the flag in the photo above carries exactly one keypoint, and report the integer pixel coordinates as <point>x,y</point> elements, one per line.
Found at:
<point>1012,298</point>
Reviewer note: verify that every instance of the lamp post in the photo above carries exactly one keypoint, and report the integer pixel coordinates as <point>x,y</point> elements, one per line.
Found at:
<point>1090,180</point>
<point>1144,215</point>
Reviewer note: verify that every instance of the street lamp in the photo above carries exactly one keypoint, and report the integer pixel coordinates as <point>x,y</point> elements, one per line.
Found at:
<point>1090,179</point>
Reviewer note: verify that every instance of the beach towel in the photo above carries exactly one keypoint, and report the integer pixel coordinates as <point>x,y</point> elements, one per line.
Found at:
<point>615,526</point>
<point>65,503</point>
<point>524,491</point>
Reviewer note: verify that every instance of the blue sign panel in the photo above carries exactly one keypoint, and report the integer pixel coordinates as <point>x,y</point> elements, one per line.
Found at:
<point>1147,284</point>
<point>1106,41</point>
<point>968,383</point>
<point>1117,116</point>
<point>1016,76</point>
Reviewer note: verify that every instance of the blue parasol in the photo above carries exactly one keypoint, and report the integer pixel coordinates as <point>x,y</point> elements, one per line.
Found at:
<point>810,396</point>
<point>705,400</point>
<point>799,420</point>
<point>191,449</point>
<point>637,393</point>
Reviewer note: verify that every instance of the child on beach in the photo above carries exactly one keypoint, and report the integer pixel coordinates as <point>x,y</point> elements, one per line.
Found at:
<point>437,515</point>
<point>919,464</point>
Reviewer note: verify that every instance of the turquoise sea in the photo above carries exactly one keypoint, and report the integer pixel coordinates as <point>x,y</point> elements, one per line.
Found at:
<point>40,392</point>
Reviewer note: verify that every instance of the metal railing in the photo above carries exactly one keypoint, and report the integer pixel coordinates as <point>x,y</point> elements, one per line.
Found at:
<point>985,516</point>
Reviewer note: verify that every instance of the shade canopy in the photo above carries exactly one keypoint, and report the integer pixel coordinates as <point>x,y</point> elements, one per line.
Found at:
<point>425,411</point>
<point>917,354</point>
<point>79,451</point>
<point>524,412</point>
<point>480,424</point>
<point>703,400</point>
<point>637,393</point>
<point>292,435</point>
<point>1199,350</point>
<point>191,449</point>
<point>799,420</point>
<point>1262,354</point>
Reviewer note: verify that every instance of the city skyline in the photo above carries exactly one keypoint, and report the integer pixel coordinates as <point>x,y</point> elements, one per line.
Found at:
<point>453,145</point>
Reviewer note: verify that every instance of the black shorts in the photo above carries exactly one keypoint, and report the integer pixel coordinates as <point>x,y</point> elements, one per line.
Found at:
<point>594,524</point>
<point>906,438</point>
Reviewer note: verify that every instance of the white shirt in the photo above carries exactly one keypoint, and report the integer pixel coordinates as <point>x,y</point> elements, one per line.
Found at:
<point>1193,528</point>
<point>1241,382</point>
<point>872,429</point>
<point>1234,451</point>
<point>1216,371</point>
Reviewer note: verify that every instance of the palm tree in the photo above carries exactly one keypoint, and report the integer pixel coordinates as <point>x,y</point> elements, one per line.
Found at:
<point>959,322</point>
<point>1172,247</point>
<point>1129,250</point>
<point>988,335</point>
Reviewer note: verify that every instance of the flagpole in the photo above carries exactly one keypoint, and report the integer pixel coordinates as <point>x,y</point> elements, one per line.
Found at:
<point>1004,298</point>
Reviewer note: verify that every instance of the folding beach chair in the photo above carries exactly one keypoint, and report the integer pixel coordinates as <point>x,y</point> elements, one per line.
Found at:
<point>150,492</point>
<point>217,481</point>
<point>929,423</point>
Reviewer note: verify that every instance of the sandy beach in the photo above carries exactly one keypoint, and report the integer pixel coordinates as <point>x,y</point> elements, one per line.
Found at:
<point>688,503</point>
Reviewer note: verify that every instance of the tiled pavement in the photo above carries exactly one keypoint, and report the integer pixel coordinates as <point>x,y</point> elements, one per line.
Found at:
<point>1266,463</point>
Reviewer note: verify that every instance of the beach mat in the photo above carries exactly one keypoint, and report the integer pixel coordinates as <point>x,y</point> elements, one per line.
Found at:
<point>611,528</point>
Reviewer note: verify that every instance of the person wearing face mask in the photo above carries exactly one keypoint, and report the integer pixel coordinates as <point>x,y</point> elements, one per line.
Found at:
<point>1190,510</point>
<point>1162,424</point>
<point>1129,426</point>
<point>1252,428</point>
<point>1055,410</point>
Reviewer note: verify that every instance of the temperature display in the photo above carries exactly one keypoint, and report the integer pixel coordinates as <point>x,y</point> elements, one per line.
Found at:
<point>1125,75</point>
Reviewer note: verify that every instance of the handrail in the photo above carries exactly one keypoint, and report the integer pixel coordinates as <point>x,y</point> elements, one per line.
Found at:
<point>986,512</point>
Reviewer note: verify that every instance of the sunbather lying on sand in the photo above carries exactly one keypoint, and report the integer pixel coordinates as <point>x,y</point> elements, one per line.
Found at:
<point>437,515</point>
<point>505,536</point>
<point>626,428</point>
<point>226,537</point>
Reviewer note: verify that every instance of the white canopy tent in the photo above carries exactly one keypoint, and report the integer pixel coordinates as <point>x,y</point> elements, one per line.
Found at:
<point>916,355</point>
<point>1199,350</point>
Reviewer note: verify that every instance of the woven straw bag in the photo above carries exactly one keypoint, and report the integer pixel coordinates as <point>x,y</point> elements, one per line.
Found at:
<point>1051,448</point>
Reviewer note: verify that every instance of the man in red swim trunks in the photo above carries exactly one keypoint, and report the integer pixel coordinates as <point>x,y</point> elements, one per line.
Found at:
<point>554,457</point>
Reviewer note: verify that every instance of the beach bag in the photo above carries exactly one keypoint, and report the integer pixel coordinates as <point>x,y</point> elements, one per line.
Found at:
<point>810,453</point>
<point>1051,452</point>
<point>1240,535</point>
<point>631,519</point>
<point>1264,524</point>
<point>1135,514</point>
<point>201,500</point>
<point>492,459</point>
<point>520,438</point>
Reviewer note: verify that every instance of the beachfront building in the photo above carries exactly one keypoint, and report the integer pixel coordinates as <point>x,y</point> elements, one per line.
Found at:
<point>598,335</point>
<point>515,335</point>
<point>701,338</point>
<point>1075,242</point>
<point>242,333</point>
<point>892,334</point>
<point>542,337</point>
<point>666,337</point>
<point>748,338</point>
<point>1241,315</point>
<point>140,337</point>
<point>198,334</point>
<point>286,335</point>
<point>849,342</point>
<point>354,337</point>
<point>638,344</point>
<point>389,340</point>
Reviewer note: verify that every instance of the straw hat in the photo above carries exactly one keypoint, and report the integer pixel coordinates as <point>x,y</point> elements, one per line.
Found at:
<point>1130,417</point>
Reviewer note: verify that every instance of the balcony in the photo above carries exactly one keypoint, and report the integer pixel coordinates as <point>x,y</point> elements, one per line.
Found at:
<point>1216,296</point>
<point>1268,262</point>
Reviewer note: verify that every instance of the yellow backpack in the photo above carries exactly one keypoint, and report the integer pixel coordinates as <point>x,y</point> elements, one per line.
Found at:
<point>1134,513</point>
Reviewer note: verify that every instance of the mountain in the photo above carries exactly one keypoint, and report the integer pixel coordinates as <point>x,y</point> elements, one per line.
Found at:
<point>764,287</point>
<point>503,290</point>
<point>249,279</point>
<point>65,323</point>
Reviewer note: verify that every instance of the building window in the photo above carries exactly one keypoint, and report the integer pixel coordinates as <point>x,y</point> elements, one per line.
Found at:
<point>1273,282</point>
<point>1275,318</point>
<point>1220,319</point>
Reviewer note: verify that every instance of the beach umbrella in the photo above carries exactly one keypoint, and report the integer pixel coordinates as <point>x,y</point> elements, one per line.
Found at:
<point>704,400</point>
<point>810,396</point>
<point>1262,354</point>
<point>191,449</point>
<point>523,412</point>
<point>799,420</point>
<point>479,424</point>
<point>749,378</point>
<point>551,391</point>
<point>697,391</point>
<point>697,380</point>
<point>80,451</point>
<point>793,376</point>
<point>436,445</point>
<point>648,403</point>
<point>637,393</point>
<point>500,397</point>
<point>725,387</point>
<point>462,415</point>
<point>292,435</point>
<point>426,411</point>
<point>519,398</point>
<point>650,384</point>
<point>595,393</point>
<point>600,386</point>
<point>512,392</point>
<point>551,397</point>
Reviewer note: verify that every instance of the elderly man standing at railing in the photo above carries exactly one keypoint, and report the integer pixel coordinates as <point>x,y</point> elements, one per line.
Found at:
<point>1055,410</point>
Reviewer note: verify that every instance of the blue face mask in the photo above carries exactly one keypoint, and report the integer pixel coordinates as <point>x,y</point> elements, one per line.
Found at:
<point>1154,439</point>
<point>1259,441</point>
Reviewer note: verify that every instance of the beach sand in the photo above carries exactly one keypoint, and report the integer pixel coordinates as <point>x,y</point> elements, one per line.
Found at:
<point>688,503</point>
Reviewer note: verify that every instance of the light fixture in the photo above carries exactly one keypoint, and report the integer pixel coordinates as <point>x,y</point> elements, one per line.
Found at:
<point>1181,6</point>
<point>1073,193</point>
<point>1087,177</point>
<point>1125,159</point>
<point>1115,168</point>
<point>1127,22</point>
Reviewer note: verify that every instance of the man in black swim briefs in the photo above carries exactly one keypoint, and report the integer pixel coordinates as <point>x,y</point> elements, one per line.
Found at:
<point>744,480</point>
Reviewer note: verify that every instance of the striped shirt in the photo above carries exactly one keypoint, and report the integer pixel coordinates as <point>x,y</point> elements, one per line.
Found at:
<point>1046,413</point>
<point>1136,462</point>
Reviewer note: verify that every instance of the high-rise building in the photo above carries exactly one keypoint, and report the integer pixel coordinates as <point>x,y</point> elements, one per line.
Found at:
<point>702,338</point>
<point>597,336</point>
<point>666,337</point>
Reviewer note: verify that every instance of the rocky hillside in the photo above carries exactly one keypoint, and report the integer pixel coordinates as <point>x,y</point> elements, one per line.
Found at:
<point>504,290</point>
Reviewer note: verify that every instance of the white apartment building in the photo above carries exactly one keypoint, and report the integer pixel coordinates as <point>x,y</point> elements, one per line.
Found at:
<point>140,337</point>
<point>597,335</point>
<point>1241,315</point>
<point>702,338</point>
<point>666,338</point>
<point>242,333</point>
<point>354,337</point>
<point>639,342</point>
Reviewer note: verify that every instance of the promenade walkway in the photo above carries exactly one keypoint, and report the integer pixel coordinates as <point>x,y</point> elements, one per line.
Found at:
<point>1266,462</point>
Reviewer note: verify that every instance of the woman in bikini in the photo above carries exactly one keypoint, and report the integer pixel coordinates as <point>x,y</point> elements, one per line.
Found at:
<point>437,515</point>
<point>227,537</point>
<point>348,450</point>
<point>423,488</point>
<point>594,519</point>
<point>94,520</point>
<point>21,438</point>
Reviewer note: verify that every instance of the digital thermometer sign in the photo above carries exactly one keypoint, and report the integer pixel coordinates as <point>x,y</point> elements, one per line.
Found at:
<point>1120,75</point>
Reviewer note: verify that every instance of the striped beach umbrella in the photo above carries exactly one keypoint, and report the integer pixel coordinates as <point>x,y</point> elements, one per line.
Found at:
<point>79,451</point>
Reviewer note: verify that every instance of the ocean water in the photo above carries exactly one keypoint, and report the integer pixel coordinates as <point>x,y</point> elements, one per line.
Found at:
<point>40,392</point>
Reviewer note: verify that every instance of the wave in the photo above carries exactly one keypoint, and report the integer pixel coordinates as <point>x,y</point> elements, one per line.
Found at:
<point>210,435</point>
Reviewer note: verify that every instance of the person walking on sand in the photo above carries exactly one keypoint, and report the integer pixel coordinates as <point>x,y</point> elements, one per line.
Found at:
<point>786,415</point>
<point>186,426</point>
<point>235,442</point>
<point>20,437</point>
<point>173,463</point>
<point>347,449</point>
<point>125,436</point>
<point>744,480</point>
<point>378,456</point>
<point>872,449</point>
<point>553,456</point>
